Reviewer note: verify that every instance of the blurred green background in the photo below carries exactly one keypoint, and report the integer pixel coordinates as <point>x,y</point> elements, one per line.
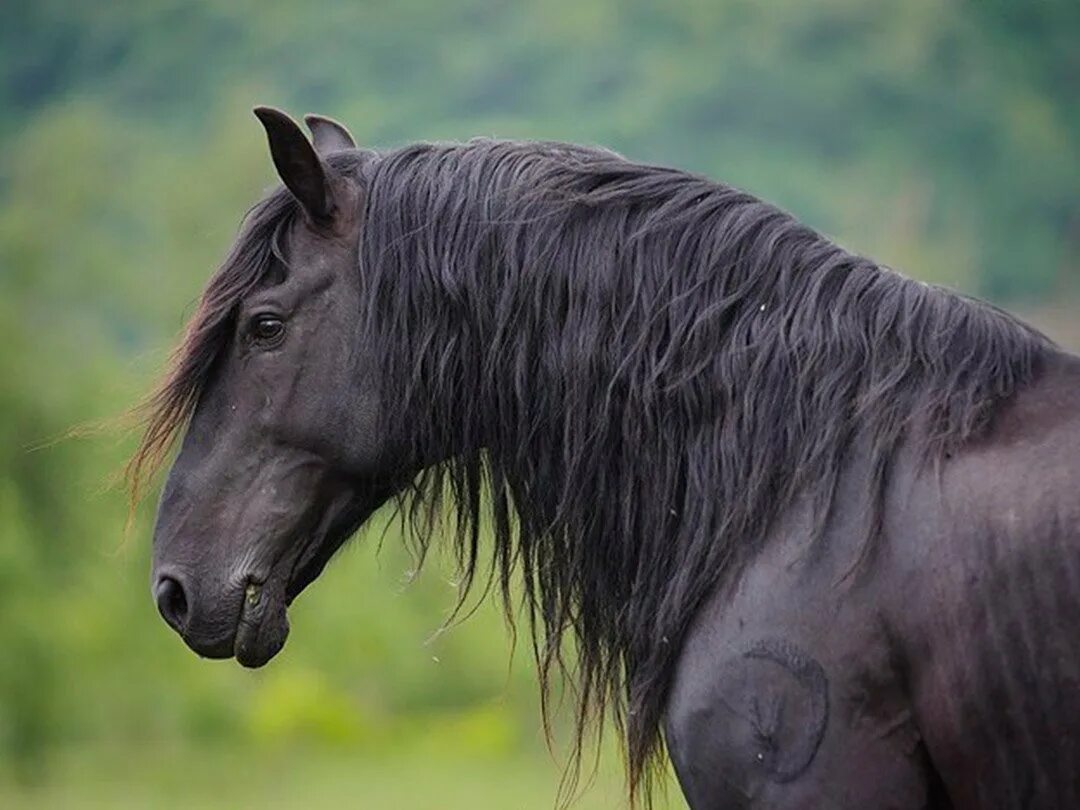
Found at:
<point>941,138</point>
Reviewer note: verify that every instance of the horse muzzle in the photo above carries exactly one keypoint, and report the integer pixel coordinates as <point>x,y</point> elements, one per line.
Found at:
<point>248,622</point>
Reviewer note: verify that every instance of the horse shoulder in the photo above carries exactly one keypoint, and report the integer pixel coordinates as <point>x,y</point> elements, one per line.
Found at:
<point>788,693</point>
<point>993,626</point>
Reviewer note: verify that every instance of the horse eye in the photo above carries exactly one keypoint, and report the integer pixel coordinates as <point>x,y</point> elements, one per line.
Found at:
<point>267,329</point>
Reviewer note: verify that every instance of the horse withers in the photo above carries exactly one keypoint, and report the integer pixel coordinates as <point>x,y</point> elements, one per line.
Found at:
<point>811,525</point>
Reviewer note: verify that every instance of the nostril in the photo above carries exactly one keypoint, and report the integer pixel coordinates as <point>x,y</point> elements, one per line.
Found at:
<point>172,602</point>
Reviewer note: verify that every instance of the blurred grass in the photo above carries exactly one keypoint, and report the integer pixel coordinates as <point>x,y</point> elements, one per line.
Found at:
<point>229,778</point>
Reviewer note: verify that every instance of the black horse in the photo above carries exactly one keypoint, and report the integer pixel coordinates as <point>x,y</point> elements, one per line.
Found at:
<point>811,525</point>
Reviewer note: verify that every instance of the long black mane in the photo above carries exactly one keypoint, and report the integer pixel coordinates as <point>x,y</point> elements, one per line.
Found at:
<point>628,373</point>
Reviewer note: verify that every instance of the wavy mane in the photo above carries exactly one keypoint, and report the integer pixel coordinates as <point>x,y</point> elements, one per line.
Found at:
<point>632,373</point>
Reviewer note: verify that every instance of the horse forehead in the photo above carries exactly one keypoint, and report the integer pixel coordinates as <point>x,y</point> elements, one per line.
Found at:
<point>313,245</point>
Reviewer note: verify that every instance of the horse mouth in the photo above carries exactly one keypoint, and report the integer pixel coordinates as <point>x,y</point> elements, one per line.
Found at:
<point>263,626</point>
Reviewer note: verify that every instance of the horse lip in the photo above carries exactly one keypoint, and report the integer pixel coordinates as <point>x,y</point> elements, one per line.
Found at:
<point>252,610</point>
<point>216,650</point>
<point>262,625</point>
<point>254,642</point>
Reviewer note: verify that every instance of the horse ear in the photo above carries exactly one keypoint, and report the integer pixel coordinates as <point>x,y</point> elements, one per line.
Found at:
<point>297,163</point>
<point>328,134</point>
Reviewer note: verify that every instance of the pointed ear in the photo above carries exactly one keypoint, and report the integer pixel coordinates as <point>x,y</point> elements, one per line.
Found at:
<point>297,163</point>
<point>329,135</point>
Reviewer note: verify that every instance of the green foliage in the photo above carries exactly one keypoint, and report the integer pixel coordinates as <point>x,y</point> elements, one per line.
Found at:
<point>943,139</point>
<point>850,112</point>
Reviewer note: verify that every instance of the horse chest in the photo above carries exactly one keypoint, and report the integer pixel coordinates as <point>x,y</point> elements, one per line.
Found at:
<point>789,695</point>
